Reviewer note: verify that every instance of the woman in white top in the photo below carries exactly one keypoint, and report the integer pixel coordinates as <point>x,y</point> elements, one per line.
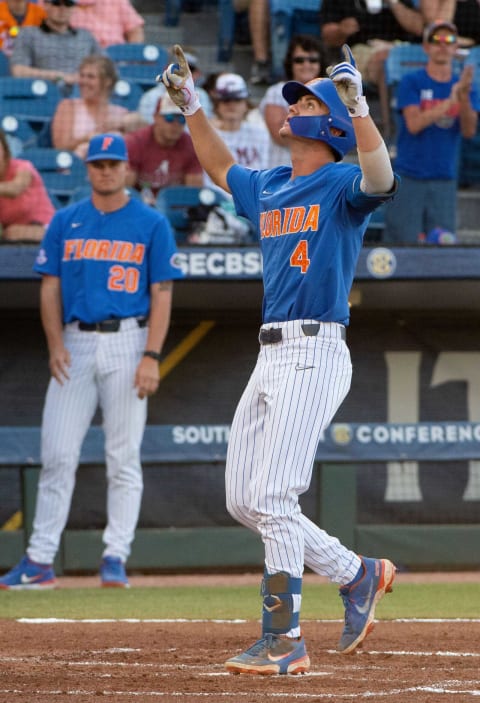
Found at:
<point>303,61</point>
<point>248,141</point>
<point>77,120</point>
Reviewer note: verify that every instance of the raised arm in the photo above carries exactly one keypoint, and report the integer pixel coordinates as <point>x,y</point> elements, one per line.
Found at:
<point>437,10</point>
<point>211,150</point>
<point>377,174</point>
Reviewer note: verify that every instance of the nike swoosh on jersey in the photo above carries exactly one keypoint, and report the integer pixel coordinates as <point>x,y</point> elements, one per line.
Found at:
<point>76,224</point>
<point>30,579</point>
<point>363,609</point>
<point>266,192</point>
<point>303,368</point>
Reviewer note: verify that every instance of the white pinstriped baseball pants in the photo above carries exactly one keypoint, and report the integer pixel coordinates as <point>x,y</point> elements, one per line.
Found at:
<point>102,373</point>
<point>295,389</point>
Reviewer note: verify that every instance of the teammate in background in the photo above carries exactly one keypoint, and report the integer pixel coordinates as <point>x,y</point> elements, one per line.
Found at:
<point>436,110</point>
<point>310,220</point>
<point>107,265</point>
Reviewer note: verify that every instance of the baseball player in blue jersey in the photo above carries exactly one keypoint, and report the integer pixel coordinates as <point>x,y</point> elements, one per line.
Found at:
<point>107,265</point>
<point>310,221</point>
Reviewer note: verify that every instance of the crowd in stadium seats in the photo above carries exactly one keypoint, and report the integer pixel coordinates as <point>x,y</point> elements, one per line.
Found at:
<point>70,69</point>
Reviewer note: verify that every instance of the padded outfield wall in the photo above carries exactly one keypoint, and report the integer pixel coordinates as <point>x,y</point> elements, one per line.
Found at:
<point>415,359</point>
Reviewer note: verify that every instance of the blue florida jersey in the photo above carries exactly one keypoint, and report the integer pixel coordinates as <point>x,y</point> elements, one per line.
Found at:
<point>310,231</point>
<point>107,261</point>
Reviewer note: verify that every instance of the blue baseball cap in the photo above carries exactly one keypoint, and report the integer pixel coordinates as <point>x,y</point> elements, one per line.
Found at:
<point>107,146</point>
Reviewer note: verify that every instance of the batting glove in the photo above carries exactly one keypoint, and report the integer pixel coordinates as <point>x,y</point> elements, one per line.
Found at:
<point>178,81</point>
<point>348,82</point>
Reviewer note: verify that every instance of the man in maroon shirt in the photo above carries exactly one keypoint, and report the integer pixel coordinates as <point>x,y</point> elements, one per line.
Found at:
<point>162,154</point>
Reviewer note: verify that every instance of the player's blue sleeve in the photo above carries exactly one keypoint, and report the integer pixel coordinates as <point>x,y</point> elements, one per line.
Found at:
<point>49,256</point>
<point>244,184</point>
<point>163,262</point>
<point>368,202</point>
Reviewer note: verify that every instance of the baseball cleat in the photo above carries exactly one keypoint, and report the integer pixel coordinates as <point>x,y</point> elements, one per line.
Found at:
<point>112,573</point>
<point>272,654</point>
<point>27,575</point>
<point>361,599</point>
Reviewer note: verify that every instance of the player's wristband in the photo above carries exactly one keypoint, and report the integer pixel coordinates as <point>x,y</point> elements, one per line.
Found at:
<point>152,354</point>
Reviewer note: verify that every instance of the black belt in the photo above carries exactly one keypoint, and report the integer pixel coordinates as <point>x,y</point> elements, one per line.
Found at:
<point>107,325</point>
<point>273,335</point>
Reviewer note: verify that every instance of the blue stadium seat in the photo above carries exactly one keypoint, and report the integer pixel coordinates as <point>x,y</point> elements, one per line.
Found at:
<point>174,202</point>
<point>19,130</point>
<point>31,99</point>
<point>62,171</point>
<point>473,59</point>
<point>138,63</point>
<point>124,93</point>
<point>469,160</point>
<point>4,64</point>
<point>289,17</point>
<point>401,59</point>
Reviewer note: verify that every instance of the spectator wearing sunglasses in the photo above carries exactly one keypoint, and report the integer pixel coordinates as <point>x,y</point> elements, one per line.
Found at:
<point>436,109</point>
<point>53,51</point>
<point>465,14</point>
<point>162,154</point>
<point>303,62</point>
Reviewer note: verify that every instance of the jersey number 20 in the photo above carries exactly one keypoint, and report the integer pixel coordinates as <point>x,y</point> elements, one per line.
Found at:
<point>123,279</point>
<point>300,256</point>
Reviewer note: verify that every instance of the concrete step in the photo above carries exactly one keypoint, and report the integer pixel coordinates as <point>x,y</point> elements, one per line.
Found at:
<point>468,209</point>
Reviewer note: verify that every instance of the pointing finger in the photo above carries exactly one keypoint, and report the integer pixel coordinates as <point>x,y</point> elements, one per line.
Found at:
<point>348,56</point>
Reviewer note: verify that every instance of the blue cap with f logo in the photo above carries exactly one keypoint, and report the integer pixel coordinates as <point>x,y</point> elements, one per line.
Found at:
<point>107,146</point>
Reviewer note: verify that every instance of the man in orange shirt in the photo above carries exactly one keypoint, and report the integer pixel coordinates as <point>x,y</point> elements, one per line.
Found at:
<point>15,14</point>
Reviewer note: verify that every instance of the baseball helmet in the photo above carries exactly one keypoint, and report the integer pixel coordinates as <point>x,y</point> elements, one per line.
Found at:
<point>319,126</point>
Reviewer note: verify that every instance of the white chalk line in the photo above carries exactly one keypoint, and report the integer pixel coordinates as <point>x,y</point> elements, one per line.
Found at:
<point>234,695</point>
<point>46,621</point>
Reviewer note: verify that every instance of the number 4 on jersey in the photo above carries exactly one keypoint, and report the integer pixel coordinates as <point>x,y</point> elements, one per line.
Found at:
<point>300,256</point>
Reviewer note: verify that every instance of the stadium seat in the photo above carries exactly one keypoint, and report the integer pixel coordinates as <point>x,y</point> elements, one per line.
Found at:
<point>473,59</point>
<point>124,93</point>
<point>4,64</point>
<point>31,99</point>
<point>62,171</point>
<point>138,63</point>
<point>20,130</point>
<point>469,161</point>
<point>175,201</point>
<point>289,17</point>
<point>401,59</point>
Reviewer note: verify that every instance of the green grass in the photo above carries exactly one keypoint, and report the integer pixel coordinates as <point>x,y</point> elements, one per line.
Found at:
<point>440,600</point>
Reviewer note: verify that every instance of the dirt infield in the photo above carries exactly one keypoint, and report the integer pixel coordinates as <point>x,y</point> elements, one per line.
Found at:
<point>126,662</point>
<point>81,662</point>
